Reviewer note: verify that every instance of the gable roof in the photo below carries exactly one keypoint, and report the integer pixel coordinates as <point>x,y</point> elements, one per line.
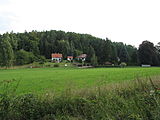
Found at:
<point>69,56</point>
<point>56,55</point>
<point>82,56</point>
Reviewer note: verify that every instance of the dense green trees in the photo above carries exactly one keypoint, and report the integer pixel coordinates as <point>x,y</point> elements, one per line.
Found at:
<point>24,57</point>
<point>6,51</point>
<point>94,60</point>
<point>90,53</point>
<point>148,54</point>
<point>24,48</point>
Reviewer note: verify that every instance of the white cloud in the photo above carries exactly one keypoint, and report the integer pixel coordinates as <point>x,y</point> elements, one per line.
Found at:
<point>129,21</point>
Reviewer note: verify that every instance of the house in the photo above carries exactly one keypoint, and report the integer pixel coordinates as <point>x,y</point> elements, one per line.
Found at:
<point>69,58</point>
<point>82,57</point>
<point>56,57</point>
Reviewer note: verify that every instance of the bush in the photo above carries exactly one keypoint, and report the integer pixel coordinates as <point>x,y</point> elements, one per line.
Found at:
<point>56,65</point>
<point>48,65</point>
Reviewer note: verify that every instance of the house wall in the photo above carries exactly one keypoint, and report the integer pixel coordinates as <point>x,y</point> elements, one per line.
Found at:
<point>83,59</point>
<point>69,59</point>
<point>57,59</point>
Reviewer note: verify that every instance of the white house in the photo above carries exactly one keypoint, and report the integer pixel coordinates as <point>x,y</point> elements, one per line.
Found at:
<point>82,57</point>
<point>56,57</point>
<point>69,58</point>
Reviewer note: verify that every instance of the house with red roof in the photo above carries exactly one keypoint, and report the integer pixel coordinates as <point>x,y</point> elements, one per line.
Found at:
<point>82,57</point>
<point>69,58</point>
<point>56,57</point>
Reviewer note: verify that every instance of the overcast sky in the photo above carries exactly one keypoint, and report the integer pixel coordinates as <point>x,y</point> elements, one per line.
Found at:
<point>128,21</point>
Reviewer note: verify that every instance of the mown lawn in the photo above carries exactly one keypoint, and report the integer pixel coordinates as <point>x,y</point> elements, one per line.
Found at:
<point>39,80</point>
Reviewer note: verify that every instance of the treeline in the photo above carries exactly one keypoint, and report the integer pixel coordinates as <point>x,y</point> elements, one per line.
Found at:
<point>27,47</point>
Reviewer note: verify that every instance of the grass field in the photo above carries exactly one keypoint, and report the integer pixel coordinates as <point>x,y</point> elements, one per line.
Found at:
<point>89,94</point>
<point>39,80</point>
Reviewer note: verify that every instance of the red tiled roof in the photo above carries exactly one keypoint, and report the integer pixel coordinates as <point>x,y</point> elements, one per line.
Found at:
<point>56,55</point>
<point>69,56</point>
<point>82,56</point>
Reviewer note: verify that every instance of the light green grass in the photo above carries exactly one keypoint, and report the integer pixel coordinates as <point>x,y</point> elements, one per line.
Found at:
<point>39,80</point>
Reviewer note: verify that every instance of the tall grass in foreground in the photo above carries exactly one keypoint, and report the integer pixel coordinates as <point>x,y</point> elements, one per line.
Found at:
<point>137,100</point>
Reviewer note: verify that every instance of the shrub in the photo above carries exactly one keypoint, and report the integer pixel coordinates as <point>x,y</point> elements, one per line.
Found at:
<point>48,65</point>
<point>56,65</point>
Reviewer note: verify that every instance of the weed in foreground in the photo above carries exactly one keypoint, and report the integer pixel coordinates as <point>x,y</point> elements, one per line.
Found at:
<point>138,100</point>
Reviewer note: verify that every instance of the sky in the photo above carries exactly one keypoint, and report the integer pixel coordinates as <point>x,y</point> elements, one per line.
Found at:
<point>128,21</point>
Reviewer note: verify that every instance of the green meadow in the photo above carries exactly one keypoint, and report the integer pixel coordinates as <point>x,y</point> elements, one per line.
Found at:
<point>41,80</point>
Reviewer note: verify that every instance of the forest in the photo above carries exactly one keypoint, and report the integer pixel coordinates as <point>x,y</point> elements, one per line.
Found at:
<point>29,47</point>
